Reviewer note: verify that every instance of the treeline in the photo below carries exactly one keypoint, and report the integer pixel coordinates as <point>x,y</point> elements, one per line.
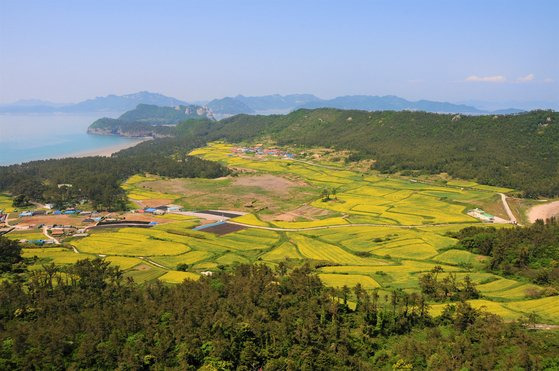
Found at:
<point>519,151</point>
<point>87,316</point>
<point>532,251</point>
<point>98,179</point>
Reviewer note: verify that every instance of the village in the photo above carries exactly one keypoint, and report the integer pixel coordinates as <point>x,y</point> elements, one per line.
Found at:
<point>260,150</point>
<point>48,227</point>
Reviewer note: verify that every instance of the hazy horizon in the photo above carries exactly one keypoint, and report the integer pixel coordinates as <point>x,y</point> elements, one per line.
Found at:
<point>66,52</point>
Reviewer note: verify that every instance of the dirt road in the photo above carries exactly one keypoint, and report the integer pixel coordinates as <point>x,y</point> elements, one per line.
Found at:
<point>46,233</point>
<point>512,218</point>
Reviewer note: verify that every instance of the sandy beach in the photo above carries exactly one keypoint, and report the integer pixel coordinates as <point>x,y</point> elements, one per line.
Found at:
<point>108,151</point>
<point>544,211</point>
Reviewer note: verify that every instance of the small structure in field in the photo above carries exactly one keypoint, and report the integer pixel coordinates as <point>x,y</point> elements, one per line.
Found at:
<point>481,215</point>
<point>57,231</point>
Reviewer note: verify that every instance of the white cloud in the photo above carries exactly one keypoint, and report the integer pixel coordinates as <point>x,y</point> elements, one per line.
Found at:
<point>548,80</point>
<point>529,77</point>
<point>496,78</point>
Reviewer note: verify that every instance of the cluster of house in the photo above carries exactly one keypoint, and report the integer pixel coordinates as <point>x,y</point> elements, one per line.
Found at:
<point>38,242</point>
<point>261,151</point>
<point>70,211</point>
<point>67,230</point>
<point>159,210</point>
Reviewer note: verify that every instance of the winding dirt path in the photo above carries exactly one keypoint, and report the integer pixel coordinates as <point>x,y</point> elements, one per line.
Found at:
<point>512,218</point>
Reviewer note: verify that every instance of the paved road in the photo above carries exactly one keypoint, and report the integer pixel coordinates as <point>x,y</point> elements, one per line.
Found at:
<point>512,218</point>
<point>344,225</point>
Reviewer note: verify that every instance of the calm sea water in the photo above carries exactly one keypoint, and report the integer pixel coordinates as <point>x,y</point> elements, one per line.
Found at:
<point>37,137</point>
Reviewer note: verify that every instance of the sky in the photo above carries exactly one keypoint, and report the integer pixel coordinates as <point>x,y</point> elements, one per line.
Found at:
<point>458,51</point>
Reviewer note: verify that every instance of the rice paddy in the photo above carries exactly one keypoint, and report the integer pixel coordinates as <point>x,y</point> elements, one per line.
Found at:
<point>379,231</point>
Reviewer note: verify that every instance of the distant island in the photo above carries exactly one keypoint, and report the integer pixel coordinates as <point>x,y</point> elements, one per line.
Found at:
<point>148,120</point>
<point>110,103</point>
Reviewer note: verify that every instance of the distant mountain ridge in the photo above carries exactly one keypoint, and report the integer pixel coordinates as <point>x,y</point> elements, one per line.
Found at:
<point>109,103</point>
<point>267,104</point>
<point>390,103</point>
<point>229,106</point>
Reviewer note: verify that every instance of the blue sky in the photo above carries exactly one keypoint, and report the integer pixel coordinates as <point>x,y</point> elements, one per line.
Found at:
<point>67,51</point>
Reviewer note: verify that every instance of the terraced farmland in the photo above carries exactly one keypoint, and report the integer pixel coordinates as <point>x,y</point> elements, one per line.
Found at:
<point>382,232</point>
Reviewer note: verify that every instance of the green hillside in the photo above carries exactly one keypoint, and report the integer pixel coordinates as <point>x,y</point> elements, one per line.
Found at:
<point>519,151</point>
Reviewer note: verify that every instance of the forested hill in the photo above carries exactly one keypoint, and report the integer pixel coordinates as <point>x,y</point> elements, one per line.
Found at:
<point>148,120</point>
<point>519,151</point>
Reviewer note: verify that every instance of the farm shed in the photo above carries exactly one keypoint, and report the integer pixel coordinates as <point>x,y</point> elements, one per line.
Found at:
<point>57,231</point>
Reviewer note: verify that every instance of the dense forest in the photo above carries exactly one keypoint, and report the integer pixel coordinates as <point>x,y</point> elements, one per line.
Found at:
<point>532,251</point>
<point>87,316</point>
<point>98,179</point>
<point>519,151</point>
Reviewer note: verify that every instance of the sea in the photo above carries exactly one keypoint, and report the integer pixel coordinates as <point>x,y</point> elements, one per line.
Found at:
<point>43,136</point>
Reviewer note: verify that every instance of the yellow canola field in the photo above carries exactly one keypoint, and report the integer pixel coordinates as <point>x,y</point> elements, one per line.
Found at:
<point>133,242</point>
<point>349,280</point>
<point>178,277</point>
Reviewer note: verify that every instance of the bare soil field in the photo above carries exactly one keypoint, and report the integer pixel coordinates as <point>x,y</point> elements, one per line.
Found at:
<point>249,193</point>
<point>272,183</point>
<point>142,267</point>
<point>224,228</point>
<point>48,219</point>
<point>544,211</point>
<point>153,202</point>
<point>305,211</point>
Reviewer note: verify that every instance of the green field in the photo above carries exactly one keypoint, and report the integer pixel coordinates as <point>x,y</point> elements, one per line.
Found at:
<point>381,232</point>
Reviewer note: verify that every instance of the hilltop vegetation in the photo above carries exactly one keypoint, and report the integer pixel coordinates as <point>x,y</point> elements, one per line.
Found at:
<point>518,151</point>
<point>88,317</point>
<point>515,151</point>
<point>97,179</point>
<point>531,251</point>
<point>148,120</point>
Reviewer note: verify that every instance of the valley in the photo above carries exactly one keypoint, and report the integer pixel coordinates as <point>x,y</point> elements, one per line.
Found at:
<point>381,231</point>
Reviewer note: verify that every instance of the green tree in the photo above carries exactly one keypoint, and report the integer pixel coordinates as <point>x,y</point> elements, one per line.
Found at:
<point>10,254</point>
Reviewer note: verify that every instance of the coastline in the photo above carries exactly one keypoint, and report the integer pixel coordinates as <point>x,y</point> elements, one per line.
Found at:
<point>108,151</point>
